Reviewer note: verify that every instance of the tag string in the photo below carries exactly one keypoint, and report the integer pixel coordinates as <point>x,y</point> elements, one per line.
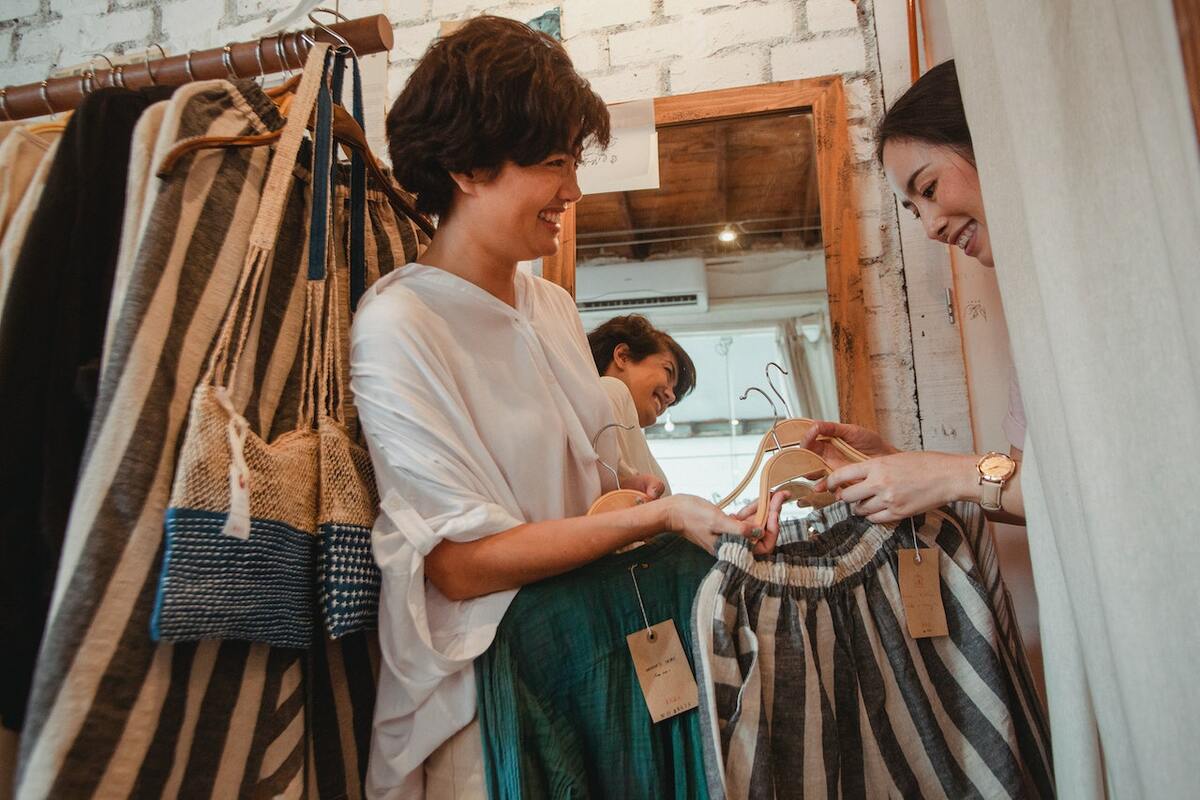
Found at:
<point>916,547</point>
<point>650,634</point>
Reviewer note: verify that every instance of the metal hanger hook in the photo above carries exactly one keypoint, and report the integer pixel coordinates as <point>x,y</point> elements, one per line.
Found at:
<point>774,411</point>
<point>774,389</point>
<point>227,60</point>
<point>188,66</point>
<point>596,439</point>
<point>112,68</point>
<point>149,71</point>
<point>282,55</point>
<point>341,40</point>
<point>4,104</point>
<point>46,100</point>
<point>262,69</point>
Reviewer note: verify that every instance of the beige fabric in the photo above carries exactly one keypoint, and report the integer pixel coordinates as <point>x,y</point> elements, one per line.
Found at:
<point>1087,155</point>
<point>21,154</point>
<point>18,223</point>
<point>455,770</point>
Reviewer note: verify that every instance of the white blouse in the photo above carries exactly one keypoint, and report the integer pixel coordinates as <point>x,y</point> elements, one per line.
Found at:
<point>479,418</point>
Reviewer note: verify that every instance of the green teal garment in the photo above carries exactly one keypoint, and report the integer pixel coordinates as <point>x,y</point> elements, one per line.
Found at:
<point>561,713</point>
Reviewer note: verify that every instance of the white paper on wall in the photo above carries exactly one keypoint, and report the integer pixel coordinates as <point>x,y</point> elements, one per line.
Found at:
<point>631,160</point>
<point>374,69</point>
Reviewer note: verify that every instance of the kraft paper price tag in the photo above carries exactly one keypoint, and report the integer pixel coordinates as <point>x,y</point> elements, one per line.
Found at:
<point>663,671</point>
<point>237,522</point>
<point>921,593</point>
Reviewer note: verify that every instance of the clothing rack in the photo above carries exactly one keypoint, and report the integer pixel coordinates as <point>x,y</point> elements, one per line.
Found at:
<point>265,56</point>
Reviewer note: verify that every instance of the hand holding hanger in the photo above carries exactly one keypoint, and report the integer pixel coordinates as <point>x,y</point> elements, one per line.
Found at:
<point>867,442</point>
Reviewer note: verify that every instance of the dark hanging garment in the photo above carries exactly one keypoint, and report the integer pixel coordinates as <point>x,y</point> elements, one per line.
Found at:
<point>51,335</point>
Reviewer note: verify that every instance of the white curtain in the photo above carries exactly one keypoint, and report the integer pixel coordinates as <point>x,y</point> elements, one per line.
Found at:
<point>1088,157</point>
<point>808,358</point>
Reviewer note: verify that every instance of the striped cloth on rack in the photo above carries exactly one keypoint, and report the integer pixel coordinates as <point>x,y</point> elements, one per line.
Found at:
<point>112,713</point>
<point>811,685</point>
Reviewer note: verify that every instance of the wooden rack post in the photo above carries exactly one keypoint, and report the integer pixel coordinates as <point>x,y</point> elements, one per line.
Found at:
<point>268,55</point>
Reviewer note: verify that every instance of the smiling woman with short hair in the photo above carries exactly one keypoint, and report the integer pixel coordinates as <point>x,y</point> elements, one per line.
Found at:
<point>478,395</point>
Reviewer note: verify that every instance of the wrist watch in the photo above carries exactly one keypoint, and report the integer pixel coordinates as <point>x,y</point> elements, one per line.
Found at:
<point>994,469</point>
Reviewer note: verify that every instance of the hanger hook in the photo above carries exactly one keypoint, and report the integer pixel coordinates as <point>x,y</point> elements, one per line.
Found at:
<point>596,439</point>
<point>227,60</point>
<point>46,99</point>
<point>295,46</point>
<point>112,68</point>
<point>149,71</point>
<point>87,82</point>
<point>774,411</point>
<point>187,64</point>
<point>4,103</point>
<point>282,55</point>
<point>262,69</point>
<point>773,387</point>
<point>337,37</point>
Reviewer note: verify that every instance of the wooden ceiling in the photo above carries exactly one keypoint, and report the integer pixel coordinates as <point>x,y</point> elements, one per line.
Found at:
<point>754,174</point>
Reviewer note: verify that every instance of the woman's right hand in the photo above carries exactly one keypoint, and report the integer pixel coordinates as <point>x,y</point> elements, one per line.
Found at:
<point>866,441</point>
<point>701,522</point>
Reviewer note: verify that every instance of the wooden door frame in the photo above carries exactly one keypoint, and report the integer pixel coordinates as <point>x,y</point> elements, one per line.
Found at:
<point>824,98</point>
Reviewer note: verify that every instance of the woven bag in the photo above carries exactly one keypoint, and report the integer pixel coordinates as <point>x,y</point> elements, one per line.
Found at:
<point>347,575</point>
<point>240,557</point>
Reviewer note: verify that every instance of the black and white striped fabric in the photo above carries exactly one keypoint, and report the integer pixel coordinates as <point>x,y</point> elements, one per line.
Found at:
<point>812,687</point>
<point>113,714</point>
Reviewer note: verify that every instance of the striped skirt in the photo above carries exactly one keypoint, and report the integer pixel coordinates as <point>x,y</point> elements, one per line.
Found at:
<point>811,685</point>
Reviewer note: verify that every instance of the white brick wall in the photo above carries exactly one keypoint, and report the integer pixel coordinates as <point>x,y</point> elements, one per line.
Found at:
<point>628,49</point>
<point>718,72</point>
<point>819,57</point>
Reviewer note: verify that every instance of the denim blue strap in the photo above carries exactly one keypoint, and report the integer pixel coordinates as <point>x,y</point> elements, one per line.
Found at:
<point>322,165</point>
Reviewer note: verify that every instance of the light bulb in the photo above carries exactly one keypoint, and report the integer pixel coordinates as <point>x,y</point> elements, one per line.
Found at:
<point>727,234</point>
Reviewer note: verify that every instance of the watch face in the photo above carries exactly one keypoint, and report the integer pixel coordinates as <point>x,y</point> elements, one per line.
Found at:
<point>997,467</point>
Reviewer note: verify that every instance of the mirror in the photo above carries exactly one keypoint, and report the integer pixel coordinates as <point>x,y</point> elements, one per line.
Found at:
<point>742,254</point>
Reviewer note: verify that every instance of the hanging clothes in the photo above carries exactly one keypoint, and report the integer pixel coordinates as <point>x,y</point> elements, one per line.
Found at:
<point>811,685</point>
<point>21,153</point>
<point>112,713</point>
<point>479,417</point>
<point>18,222</point>
<point>51,333</point>
<point>560,708</point>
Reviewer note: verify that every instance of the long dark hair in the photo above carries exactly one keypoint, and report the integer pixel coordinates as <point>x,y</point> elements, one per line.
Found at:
<point>931,110</point>
<point>643,339</point>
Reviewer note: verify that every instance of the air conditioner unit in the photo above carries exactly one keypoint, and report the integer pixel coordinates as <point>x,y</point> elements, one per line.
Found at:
<point>676,284</point>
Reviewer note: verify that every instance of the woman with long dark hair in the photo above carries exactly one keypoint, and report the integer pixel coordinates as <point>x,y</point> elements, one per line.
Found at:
<point>925,147</point>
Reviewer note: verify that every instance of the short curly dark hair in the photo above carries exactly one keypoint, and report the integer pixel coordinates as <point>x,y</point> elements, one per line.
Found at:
<point>643,340</point>
<point>493,91</point>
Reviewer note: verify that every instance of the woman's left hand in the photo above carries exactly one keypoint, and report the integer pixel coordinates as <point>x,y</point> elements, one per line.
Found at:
<point>770,529</point>
<point>894,487</point>
<point>648,485</point>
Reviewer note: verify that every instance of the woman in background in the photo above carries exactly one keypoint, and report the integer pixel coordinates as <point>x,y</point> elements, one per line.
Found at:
<point>644,372</point>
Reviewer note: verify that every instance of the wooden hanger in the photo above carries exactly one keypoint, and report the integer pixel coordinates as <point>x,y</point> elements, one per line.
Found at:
<point>346,130</point>
<point>787,433</point>
<point>782,470</point>
<point>619,498</point>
